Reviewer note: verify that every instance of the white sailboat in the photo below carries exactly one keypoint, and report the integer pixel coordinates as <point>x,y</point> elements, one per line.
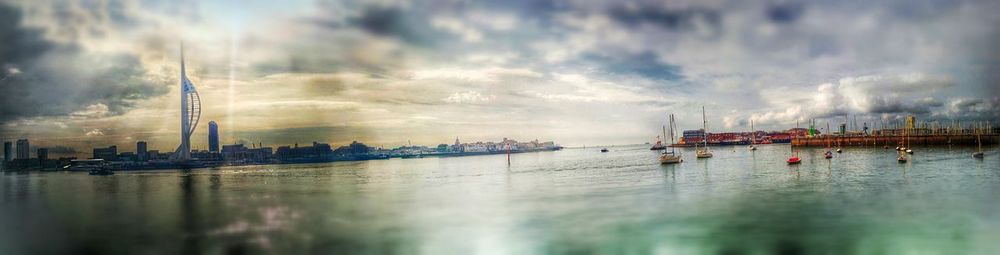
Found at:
<point>671,157</point>
<point>909,149</point>
<point>902,153</point>
<point>704,152</point>
<point>753,137</point>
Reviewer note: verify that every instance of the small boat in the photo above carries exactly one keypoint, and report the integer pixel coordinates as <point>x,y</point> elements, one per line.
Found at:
<point>828,154</point>
<point>839,150</point>
<point>885,147</point>
<point>909,151</point>
<point>671,157</point>
<point>604,150</point>
<point>794,160</point>
<point>902,158</point>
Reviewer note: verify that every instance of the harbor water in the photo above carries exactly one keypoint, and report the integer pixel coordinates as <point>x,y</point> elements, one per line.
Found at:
<point>574,201</point>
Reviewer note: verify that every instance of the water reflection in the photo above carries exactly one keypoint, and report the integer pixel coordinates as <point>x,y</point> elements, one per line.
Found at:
<point>573,201</point>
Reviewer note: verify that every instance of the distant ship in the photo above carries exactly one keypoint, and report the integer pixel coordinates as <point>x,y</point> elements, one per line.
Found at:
<point>659,144</point>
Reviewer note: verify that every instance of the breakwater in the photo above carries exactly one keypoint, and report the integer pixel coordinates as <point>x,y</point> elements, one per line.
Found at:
<point>892,141</point>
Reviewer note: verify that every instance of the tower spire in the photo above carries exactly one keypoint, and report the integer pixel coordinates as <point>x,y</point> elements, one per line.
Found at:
<point>183,73</point>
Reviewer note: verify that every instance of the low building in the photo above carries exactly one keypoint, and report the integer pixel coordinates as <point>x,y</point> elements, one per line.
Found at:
<point>110,153</point>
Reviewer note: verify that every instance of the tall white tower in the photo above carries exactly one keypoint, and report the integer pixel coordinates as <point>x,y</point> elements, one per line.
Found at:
<point>190,113</point>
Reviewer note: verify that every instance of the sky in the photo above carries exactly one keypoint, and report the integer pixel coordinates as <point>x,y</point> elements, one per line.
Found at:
<point>83,74</point>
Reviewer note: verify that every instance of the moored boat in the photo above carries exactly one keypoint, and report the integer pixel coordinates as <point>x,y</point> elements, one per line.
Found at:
<point>671,157</point>
<point>794,160</point>
<point>703,152</point>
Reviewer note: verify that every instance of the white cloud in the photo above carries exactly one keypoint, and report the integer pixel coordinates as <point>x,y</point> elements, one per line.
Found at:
<point>468,97</point>
<point>94,132</point>
<point>97,110</point>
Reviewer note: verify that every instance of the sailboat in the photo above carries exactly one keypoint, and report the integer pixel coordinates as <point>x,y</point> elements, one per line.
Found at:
<point>978,154</point>
<point>671,157</point>
<point>753,137</point>
<point>910,145</point>
<point>902,151</point>
<point>704,152</point>
<point>828,154</point>
<point>794,159</point>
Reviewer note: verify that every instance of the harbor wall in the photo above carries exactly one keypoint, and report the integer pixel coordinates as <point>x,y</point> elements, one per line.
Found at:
<point>893,141</point>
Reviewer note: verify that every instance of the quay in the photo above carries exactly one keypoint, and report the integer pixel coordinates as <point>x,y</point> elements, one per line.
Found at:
<point>893,140</point>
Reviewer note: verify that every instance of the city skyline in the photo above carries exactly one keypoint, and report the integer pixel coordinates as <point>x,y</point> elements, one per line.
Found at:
<point>396,71</point>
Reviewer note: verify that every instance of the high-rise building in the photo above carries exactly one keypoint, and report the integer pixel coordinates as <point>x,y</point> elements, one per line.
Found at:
<point>22,149</point>
<point>109,153</point>
<point>140,151</point>
<point>213,137</point>
<point>190,114</point>
<point>911,122</point>
<point>42,154</point>
<point>7,150</point>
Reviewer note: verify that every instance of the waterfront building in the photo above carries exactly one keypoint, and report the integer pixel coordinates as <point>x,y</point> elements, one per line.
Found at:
<point>239,152</point>
<point>213,137</point>
<point>127,156</point>
<point>234,152</point>
<point>7,151</point>
<point>140,151</point>
<point>153,155</point>
<point>22,149</point>
<point>478,147</point>
<point>42,154</point>
<point>911,122</point>
<point>316,152</point>
<point>190,114</point>
<point>110,153</point>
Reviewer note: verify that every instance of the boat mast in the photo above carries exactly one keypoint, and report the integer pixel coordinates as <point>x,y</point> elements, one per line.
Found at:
<point>827,135</point>
<point>671,133</point>
<point>664,135</point>
<point>753,135</point>
<point>704,127</point>
<point>979,140</point>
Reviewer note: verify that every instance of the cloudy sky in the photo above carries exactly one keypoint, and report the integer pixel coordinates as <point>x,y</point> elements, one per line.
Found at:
<point>80,74</point>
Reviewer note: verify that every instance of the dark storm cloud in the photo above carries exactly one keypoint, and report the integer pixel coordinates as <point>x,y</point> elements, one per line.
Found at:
<point>20,45</point>
<point>645,64</point>
<point>785,12</point>
<point>681,19</point>
<point>53,79</point>
<point>886,105</point>
<point>409,26</point>
<point>62,150</point>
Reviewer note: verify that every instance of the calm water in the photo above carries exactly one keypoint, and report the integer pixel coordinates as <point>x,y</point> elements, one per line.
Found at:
<point>577,201</point>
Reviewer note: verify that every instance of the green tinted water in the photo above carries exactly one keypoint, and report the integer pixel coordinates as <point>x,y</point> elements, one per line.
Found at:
<point>572,201</point>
